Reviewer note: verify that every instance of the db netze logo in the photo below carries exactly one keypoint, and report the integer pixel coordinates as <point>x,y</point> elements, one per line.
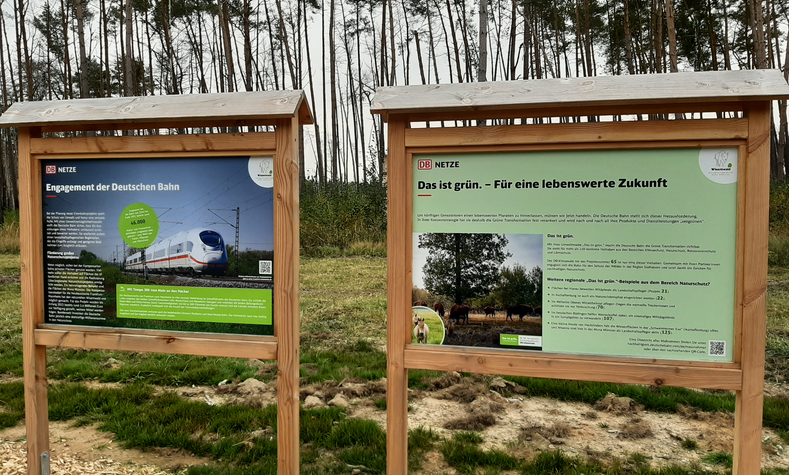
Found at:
<point>51,169</point>
<point>425,165</point>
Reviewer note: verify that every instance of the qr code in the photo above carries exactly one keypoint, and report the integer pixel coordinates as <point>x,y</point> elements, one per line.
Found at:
<point>717,348</point>
<point>264,267</point>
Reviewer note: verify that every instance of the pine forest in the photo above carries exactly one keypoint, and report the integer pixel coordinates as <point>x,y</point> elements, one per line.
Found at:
<point>340,51</point>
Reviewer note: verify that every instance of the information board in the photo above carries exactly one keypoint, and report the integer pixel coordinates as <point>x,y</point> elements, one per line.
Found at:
<point>604,252</point>
<point>175,243</point>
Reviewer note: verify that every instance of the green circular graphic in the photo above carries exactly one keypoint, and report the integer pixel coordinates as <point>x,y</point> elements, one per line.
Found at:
<point>138,225</point>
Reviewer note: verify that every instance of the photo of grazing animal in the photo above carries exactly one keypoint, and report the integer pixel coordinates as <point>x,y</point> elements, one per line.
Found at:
<point>420,303</point>
<point>416,319</point>
<point>489,311</point>
<point>519,310</point>
<point>459,313</point>
<point>439,308</point>
<point>421,331</point>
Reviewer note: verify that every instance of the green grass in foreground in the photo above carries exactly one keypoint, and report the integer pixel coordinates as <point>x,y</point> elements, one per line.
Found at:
<point>236,437</point>
<point>242,441</point>
<point>777,344</point>
<point>343,326</point>
<point>160,369</point>
<point>720,458</point>
<point>359,360</point>
<point>10,316</point>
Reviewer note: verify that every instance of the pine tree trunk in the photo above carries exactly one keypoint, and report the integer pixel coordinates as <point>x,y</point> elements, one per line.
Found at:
<point>284,38</point>
<point>67,86</point>
<point>659,50</point>
<point>384,63</point>
<point>335,134</point>
<point>318,148</point>
<point>511,67</point>
<point>83,58</point>
<point>672,37</point>
<point>168,44</point>
<point>129,56</point>
<point>224,23</point>
<point>629,41</point>
<point>452,30</point>
<point>482,67</point>
<point>5,104</point>
<point>360,97</point>
<point>107,81</point>
<point>392,53</point>
<point>527,37</point>
<point>726,48</point>
<point>432,50</point>
<point>757,32</point>
<point>466,46</point>
<point>784,127</point>
<point>272,52</point>
<point>419,56</point>
<point>22,47</point>
<point>587,41</point>
<point>248,49</point>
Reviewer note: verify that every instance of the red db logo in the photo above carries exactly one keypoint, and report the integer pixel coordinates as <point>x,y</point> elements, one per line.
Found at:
<point>51,169</point>
<point>425,165</point>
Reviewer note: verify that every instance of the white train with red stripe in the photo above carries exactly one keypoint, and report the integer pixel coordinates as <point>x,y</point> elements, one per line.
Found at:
<point>196,252</point>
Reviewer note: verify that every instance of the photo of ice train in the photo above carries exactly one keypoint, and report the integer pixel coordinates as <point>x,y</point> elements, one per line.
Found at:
<point>194,252</point>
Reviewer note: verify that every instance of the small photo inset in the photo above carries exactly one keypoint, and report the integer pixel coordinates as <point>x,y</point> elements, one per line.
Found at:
<point>428,326</point>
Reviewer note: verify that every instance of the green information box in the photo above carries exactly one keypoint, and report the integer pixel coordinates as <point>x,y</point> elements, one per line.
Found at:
<point>629,252</point>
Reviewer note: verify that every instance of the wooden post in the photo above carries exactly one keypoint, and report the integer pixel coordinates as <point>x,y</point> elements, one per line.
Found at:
<point>399,301</point>
<point>750,400</point>
<point>286,298</point>
<point>35,356</point>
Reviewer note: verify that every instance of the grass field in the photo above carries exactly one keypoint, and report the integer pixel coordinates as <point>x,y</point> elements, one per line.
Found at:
<point>343,334</point>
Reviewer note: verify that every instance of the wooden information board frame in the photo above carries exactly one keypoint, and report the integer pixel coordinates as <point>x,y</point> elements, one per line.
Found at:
<point>284,110</point>
<point>743,95</point>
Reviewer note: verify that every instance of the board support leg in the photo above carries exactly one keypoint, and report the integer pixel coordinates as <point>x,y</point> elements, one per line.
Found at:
<point>286,295</point>
<point>750,400</point>
<point>399,299</point>
<point>35,356</point>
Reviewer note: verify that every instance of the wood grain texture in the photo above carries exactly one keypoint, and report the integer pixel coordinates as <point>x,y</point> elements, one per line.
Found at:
<point>122,155</point>
<point>581,112</point>
<point>34,356</point>
<point>697,87</point>
<point>524,363</point>
<point>154,144</point>
<point>739,263</point>
<point>399,302</point>
<point>158,125</point>
<point>598,132</point>
<point>750,400</point>
<point>173,109</point>
<point>144,331</point>
<point>209,345</point>
<point>286,293</point>
<point>575,146</point>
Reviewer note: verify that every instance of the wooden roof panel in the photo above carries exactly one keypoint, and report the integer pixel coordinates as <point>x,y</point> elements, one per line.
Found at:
<point>698,87</point>
<point>199,109</point>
